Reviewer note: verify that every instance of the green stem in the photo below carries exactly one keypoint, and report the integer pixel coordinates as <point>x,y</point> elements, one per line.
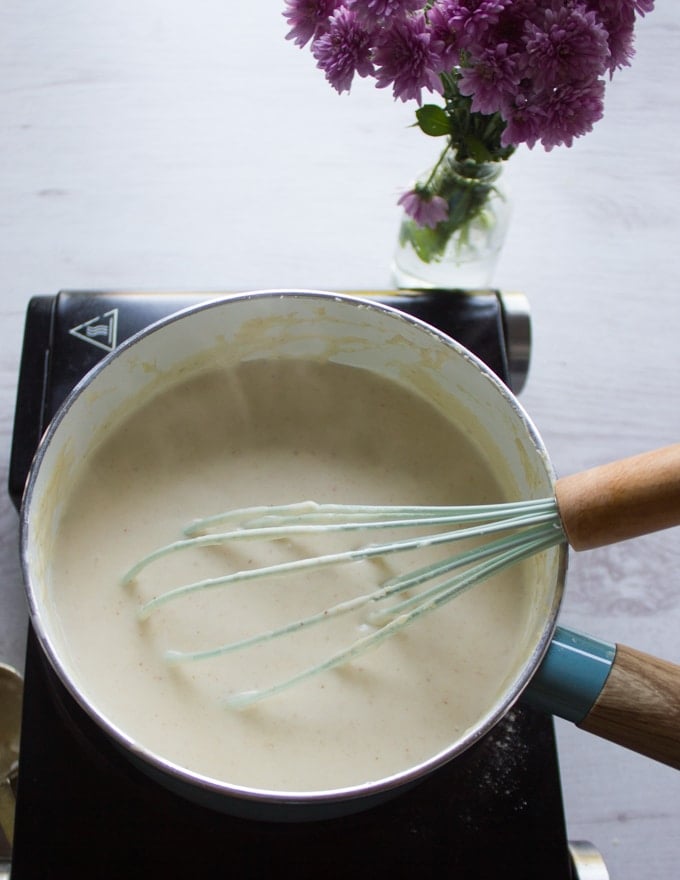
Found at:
<point>436,167</point>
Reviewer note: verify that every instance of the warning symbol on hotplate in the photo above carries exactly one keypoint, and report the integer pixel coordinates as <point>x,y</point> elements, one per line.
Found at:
<point>101,331</point>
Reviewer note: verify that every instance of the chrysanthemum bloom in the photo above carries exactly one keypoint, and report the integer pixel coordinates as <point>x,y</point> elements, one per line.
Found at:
<point>423,207</point>
<point>618,18</point>
<point>373,11</point>
<point>569,44</point>
<point>344,49</point>
<point>405,59</point>
<point>570,112</point>
<point>444,34</point>
<point>307,18</point>
<point>470,20</point>
<point>490,79</point>
<point>523,121</point>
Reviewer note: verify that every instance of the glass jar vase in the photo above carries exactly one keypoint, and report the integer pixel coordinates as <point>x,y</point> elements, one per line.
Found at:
<point>461,251</point>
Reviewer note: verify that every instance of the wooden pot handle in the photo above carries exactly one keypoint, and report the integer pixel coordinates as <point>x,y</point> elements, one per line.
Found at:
<point>639,706</point>
<point>624,499</point>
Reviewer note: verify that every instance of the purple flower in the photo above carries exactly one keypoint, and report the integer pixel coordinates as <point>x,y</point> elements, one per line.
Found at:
<point>524,121</point>
<point>570,44</point>
<point>491,78</point>
<point>307,18</point>
<point>405,59</point>
<point>424,208</point>
<point>445,37</point>
<point>618,18</point>
<point>344,49</point>
<point>374,11</point>
<point>469,20</point>
<point>570,112</point>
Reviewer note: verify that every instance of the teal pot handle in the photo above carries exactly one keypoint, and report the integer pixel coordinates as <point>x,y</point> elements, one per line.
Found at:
<point>613,691</point>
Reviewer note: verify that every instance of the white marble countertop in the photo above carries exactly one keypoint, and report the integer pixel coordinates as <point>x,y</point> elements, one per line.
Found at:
<point>159,144</point>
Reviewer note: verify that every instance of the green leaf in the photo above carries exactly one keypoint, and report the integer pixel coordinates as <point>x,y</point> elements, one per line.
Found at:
<point>433,120</point>
<point>429,244</point>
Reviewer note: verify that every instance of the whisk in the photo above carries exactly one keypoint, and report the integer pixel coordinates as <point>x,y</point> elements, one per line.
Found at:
<point>609,503</point>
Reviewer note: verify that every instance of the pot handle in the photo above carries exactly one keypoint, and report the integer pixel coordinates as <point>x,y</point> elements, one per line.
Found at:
<point>620,500</point>
<point>615,692</point>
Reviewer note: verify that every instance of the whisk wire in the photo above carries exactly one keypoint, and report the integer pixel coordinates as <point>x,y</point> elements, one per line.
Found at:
<point>391,587</point>
<point>296,518</point>
<point>430,601</point>
<point>525,528</point>
<point>544,514</point>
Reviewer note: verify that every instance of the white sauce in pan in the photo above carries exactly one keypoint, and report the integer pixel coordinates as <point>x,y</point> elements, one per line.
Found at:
<point>271,432</point>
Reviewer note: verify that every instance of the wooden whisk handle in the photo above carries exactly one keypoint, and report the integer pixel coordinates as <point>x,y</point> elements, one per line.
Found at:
<point>624,499</point>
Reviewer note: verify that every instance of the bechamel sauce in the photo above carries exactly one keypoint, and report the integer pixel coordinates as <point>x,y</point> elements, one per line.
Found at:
<point>268,432</point>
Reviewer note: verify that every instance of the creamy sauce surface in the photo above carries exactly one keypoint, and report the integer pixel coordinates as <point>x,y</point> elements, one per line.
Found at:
<point>273,432</point>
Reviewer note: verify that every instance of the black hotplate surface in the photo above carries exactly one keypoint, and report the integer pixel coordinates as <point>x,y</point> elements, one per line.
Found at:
<point>84,811</point>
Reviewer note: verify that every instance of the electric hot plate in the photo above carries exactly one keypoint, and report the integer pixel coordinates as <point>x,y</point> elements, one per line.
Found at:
<point>84,811</point>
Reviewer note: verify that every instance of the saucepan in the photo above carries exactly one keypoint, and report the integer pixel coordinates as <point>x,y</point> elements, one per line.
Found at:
<point>613,691</point>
